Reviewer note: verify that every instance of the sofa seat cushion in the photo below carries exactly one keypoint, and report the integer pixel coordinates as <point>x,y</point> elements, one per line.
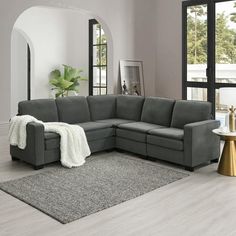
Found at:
<point>164,142</point>
<point>171,133</point>
<point>91,126</point>
<point>100,134</point>
<point>136,131</point>
<point>142,127</point>
<point>131,135</point>
<point>115,122</point>
<point>51,140</point>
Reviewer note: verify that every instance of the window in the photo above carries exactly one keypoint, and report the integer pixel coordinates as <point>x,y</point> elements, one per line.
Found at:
<point>209,51</point>
<point>97,59</point>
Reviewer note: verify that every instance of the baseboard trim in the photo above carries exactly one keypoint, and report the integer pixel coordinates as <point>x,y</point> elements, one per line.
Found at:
<point>4,129</point>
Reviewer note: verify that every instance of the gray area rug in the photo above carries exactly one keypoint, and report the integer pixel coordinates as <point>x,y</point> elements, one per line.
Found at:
<point>103,181</point>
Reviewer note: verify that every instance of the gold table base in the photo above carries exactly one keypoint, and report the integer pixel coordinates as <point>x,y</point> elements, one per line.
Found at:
<point>227,165</point>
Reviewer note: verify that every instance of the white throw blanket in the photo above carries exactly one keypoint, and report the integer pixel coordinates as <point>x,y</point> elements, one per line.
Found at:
<point>74,146</point>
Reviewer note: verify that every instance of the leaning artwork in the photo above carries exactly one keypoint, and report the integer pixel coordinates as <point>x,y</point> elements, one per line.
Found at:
<point>132,82</point>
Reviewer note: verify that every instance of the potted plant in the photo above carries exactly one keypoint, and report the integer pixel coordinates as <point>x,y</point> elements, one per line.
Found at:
<point>65,82</point>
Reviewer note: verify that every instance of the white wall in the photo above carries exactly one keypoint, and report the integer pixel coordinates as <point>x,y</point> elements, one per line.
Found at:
<point>129,24</point>
<point>19,70</point>
<point>78,44</point>
<point>58,36</point>
<point>169,48</point>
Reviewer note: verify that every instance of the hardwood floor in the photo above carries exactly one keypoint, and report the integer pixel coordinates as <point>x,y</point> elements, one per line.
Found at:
<point>202,204</point>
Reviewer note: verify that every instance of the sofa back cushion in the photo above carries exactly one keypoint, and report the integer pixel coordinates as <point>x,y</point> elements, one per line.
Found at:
<point>73,110</point>
<point>42,109</point>
<point>129,107</point>
<point>186,112</point>
<point>102,107</point>
<point>157,110</point>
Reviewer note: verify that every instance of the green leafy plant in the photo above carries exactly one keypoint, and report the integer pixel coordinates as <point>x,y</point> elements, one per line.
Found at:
<point>66,81</point>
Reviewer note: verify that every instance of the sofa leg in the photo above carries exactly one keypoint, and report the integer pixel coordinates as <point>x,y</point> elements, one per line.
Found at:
<point>215,160</point>
<point>39,167</point>
<point>191,169</point>
<point>14,158</point>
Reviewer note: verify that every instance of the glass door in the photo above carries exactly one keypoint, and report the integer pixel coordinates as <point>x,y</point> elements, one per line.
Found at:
<point>225,55</point>
<point>196,52</point>
<point>195,56</point>
<point>209,51</point>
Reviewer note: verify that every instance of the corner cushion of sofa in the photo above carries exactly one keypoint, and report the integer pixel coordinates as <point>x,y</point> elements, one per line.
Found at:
<point>115,122</point>
<point>90,126</point>
<point>129,107</point>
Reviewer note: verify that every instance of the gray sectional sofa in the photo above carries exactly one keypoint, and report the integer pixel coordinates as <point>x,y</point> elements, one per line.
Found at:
<point>175,131</point>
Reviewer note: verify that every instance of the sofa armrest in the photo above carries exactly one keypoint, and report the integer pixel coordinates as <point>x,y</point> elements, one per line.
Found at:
<point>35,143</point>
<point>200,144</point>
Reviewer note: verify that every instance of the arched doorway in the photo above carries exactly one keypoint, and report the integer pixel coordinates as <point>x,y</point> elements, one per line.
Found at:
<point>21,50</point>
<point>56,42</point>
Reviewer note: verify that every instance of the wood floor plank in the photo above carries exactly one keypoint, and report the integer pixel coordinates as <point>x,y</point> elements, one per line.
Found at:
<point>201,204</point>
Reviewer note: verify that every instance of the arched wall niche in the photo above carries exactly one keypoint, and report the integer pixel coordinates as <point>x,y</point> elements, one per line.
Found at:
<point>21,46</point>
<point>129,26</point>
<point>33,51</point>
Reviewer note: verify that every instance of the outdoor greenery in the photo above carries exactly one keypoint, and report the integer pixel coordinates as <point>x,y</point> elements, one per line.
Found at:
<point>68,81</point>
<point>197,36</point>
<point>101,47</point>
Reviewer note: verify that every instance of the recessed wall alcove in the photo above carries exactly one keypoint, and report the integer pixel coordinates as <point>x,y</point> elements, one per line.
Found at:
<point>43,38</point>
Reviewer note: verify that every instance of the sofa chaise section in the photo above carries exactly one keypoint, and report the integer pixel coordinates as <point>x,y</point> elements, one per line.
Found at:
<point>44,147</point>
<point>35,153</point>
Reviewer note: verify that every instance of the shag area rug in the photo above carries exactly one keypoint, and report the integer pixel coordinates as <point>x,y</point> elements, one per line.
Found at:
<point>103,181</point>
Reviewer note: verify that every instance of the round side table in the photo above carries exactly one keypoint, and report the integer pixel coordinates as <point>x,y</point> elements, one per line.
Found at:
<point>227,165</point>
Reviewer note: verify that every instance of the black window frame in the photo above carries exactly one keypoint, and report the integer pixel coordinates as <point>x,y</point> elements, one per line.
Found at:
<point>211,85</point>
<point>28,72</point>
<point>93,22</point>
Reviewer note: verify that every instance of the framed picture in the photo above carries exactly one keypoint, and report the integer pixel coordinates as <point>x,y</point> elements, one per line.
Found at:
<point>131,74</point>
